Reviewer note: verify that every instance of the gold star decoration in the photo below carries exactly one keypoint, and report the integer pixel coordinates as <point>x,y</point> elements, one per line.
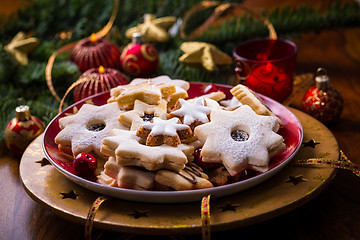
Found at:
<point>20,46</point>
<point>153,29</point>
<point>201,54</point>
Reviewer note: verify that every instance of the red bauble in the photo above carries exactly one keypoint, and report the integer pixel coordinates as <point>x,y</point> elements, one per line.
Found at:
<point>85,165</point>
<point>92,52</point>
<point>98,80</point>
<point>22,129</point>
<point>323,102</point>
<point>139,59</point>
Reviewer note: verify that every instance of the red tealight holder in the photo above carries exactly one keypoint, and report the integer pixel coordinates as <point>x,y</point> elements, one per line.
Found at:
<point>267,66</point>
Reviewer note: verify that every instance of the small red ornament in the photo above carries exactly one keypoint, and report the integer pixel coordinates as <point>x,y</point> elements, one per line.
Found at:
<point>139,59</point>
<point>98,80</point>
<point>92,53</point>
<point>198,160</point>
<point>22,129</point>
<point>85,165</point>
<point>322,101</point>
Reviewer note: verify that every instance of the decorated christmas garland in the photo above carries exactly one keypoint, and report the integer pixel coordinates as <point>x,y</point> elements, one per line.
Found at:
<point>48,26</point>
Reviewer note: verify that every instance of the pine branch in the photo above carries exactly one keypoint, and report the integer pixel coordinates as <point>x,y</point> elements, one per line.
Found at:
<point>286,21</point>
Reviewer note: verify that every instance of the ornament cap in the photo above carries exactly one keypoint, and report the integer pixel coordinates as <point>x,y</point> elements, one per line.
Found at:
<point>322,81</point>
<point>23,113</point>
<point>138,38</point>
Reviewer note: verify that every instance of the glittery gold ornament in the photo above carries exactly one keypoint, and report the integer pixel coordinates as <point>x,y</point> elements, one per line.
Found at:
<point>20,46</point>
<point>204,55</point>
<point>22,129</point>
<point>153,29</point>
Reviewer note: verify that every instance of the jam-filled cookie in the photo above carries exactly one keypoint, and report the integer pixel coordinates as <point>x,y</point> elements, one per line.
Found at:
<point>83,131</point>
<point>240,139</point>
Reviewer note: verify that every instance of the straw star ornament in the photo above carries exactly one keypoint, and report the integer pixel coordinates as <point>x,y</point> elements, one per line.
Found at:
<point>204,55</point>
<point>153,29</point>
<point>20,46</point>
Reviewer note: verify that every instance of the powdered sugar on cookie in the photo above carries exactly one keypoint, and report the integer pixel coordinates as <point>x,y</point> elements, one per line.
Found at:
<point>239,139</point>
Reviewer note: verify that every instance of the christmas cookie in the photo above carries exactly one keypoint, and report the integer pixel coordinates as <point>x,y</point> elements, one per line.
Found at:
<point>231,104</point>
<point>142,113</point>
<point>148,92</point>
<point>239,139</point>
<point>248,97</point>
<point>181,87</point>
<point>136,178</point>
<point>191,177</point>
<point>109,174</point>
<point>191,113</point>
<point>83,131</point>
<point>159,131</point>
<point>129,151</point>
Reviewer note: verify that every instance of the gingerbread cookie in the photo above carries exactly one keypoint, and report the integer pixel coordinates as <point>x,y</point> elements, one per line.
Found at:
<point>142,113</point>
<point>247,97</point>
<point>129,151</point>
<point>181,87</point>
<point>125,95</point>
<point>191,113</point>
<point>191,177</point>
<point>160,131</point>
<point>239,139</point>
<point>83,131</point>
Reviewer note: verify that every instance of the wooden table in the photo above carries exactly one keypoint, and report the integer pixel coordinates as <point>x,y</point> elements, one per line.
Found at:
<point>334,214</point>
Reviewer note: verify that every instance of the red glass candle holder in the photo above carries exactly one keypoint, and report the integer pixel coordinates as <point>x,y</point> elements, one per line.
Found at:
<point>267,66</point>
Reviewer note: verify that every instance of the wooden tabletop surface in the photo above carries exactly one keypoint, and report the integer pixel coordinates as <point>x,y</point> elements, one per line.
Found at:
<point>334,214</point>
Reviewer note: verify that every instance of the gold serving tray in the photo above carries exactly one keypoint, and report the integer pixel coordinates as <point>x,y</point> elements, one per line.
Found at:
<point>287,190</point>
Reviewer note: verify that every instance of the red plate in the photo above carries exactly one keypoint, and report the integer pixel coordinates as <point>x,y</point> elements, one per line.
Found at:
<point>291,131</point>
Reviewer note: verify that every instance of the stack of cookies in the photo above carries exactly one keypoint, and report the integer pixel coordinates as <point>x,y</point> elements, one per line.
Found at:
<point>148,131</point>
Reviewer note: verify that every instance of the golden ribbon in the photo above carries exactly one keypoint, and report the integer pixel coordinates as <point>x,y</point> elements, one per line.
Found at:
<point>205,218</point>
<point>91,215</point>
<point>100,34</point>
<point>218,12</point>
<point>342,163</point>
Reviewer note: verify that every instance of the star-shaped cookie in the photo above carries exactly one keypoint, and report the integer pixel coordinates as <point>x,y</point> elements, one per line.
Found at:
<point>142,113</point>
<point>203,54</point>
<point>240,139</point>
<point>147,92</point>
<point>128,150</point>
<point>83,131</point>
<point>192,113</point>
<point>181,87</point>
<point>153,29</point>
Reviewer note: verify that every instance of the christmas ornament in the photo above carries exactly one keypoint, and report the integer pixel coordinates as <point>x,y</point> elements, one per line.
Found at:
<point>85,165</point>
<point>139,59</point>
<point>98,80</point>
<point>20,46</point>
<point>322,101</point>
<point>153,29</point>
<point>204,55</point>
<point>94,52</point>
<point>22,129</point>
